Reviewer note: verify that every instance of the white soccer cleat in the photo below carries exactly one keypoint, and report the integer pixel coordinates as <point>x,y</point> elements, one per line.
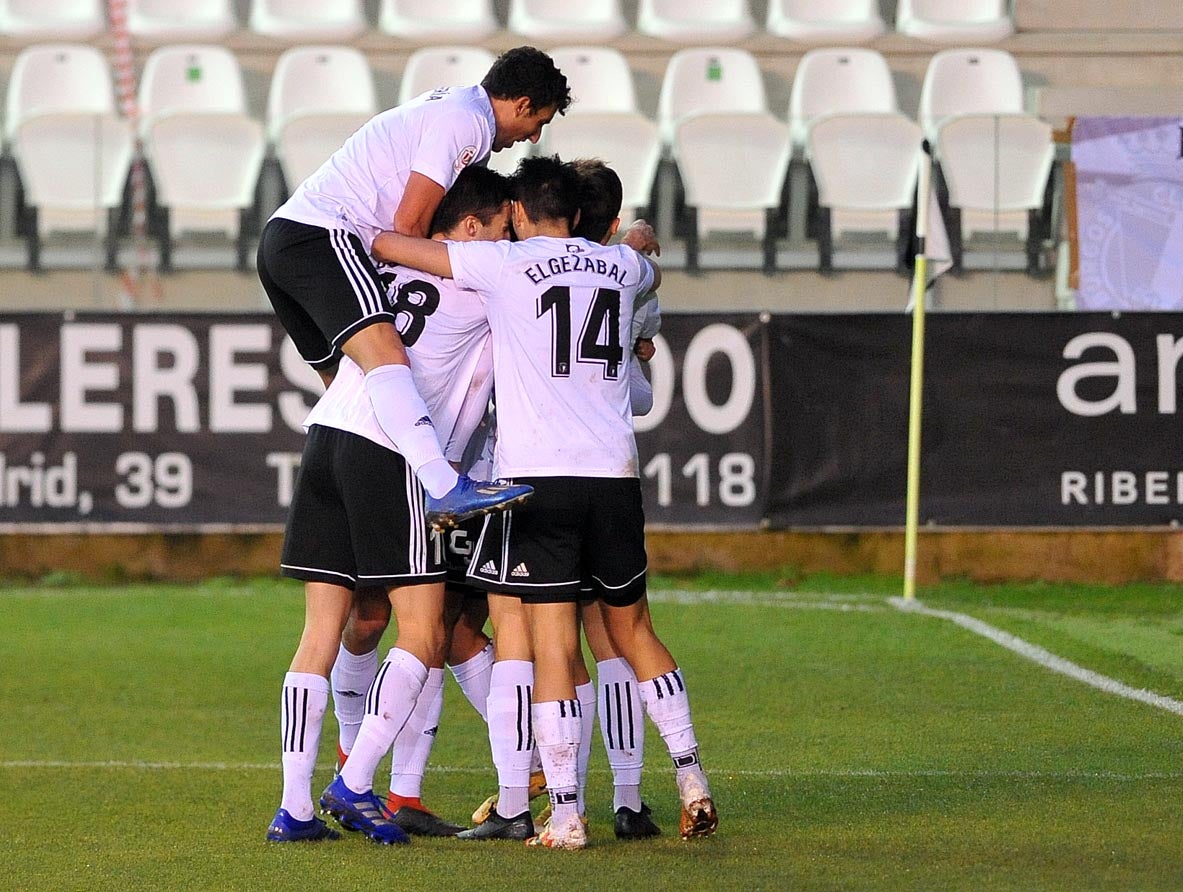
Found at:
<point>571,834</point>
<point>699,817</point>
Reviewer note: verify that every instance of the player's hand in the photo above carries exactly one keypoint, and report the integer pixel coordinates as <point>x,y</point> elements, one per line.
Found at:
<point>644,349</point>
<point>641,237</point>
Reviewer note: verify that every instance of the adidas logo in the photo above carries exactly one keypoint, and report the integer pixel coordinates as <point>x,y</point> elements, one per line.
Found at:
<point>520,570</point>
<point>489,567</point>
<point>424,420</point>
<point>347,693</point>
<point>431,732</point>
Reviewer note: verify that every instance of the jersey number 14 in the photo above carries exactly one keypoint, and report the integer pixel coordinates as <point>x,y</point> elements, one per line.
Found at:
<point>598,342</point>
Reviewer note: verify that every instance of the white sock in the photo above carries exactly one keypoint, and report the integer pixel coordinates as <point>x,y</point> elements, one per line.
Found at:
<point>586,694</point>
<point>622,726</point>
<point>473,677</point>
<point>301,716</point>
<point>412,746</point>
<point>403,417</point>
<point>389,702</point>
<point>559,725</point>
<point>511,733</point>
<point>352,676</point>
<point>667,704</point>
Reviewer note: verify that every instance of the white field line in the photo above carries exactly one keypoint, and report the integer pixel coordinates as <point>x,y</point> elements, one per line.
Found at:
<point>873,773</point>
<point>1042,657</point>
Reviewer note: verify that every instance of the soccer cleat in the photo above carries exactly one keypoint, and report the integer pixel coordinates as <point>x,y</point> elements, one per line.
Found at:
<point>537,788</point>
<point>698,809</point>
<point>285,828</point>
<point>469,498</point>
<point>418,820</point>
<point>494,826</point>
<point>362,812</point>
<point>571,834</point>
<point>631,824</point>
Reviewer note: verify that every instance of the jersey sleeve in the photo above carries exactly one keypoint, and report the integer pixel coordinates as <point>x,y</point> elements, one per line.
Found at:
<point>476,266</point>
<point>647,319</point>
<point>450,144</point>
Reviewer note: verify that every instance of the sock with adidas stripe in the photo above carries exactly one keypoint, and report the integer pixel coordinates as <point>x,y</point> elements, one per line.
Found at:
<point>511,733</point>
<point>302,709</point>
<point>559,725</point>
<point>668,706</point>
<point>622,727</point>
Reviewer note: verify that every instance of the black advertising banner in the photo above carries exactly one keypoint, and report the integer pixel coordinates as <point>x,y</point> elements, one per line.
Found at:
<point>172,420</point>
<point>702,447</point>
<point>1032,419</point>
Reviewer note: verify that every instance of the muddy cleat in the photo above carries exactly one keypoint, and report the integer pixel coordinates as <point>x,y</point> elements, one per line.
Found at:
<point>571,834</point>
<point>519,828</point>
<point>285,828</point>
<point>362,812</point>
<point>420,821</point>
<point>699,819</point>
<point>537,788</point>
<point>469,498</point>
<point>631,824</point>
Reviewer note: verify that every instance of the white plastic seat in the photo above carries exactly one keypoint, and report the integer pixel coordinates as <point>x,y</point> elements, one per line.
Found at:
<point>599,78</point>
<point>733,167</point>
<point>431,22</point>
<point>52,19</point>
<point>626,141</point>
<point>311,20</point>
<point>695,21</point>
<point>58,78</point>
<point>715,79</point>
<point>547,20</point>
<point>445,66</point>
<point>181,19</point>
<point>954,21</point>
<point>205,153</point>
<point>319,96</point>
<point>839,80</point>
<point>996,168</point>
<point>825,21</point>
<point>969,81</point>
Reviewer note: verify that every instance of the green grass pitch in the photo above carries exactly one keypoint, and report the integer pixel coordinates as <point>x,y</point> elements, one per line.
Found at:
<point>850,746</point>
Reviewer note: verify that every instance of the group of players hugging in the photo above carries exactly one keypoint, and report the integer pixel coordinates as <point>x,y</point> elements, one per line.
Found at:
<point>393,271</point>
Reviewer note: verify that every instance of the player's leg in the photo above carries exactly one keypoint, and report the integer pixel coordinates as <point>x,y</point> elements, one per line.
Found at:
<point>622,728</point>
<point>619,568</point>
<point>511,730</point>
<point>585,693</point>
<point>357,664</point>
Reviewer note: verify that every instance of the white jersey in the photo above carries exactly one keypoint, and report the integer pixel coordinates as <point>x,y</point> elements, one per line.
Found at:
<point>360,186</point>
<point>446,333</point>
<point>561,312</point>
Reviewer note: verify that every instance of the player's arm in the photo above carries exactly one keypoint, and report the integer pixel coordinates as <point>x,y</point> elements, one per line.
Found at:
<point>419,202</point>
<point>427,255</point>
<point>656,274</point>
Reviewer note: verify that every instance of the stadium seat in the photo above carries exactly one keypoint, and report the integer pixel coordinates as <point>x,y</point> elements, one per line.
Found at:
<point>954,21</point>
<point>71,150</point>
<point>443,66</point>
<point>969,81</point>
<point>604,122</point>
<point>695,21</point>
<point>204,152</point>
<point>825,21</point>
<point>308,20</point>
<point>722,87</point>
<point>547,20</point>
<point>431,22</point>
<point>996,170</point>
<point>848,96</point>
<point>181,19</point>
<point>319,96</point>
<point>52,19</point>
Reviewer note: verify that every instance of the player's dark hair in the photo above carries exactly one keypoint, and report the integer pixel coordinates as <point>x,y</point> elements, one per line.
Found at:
<point>600,195</point>
<point>526,71</point>
<point>547,189</point>
<point>478,191</point>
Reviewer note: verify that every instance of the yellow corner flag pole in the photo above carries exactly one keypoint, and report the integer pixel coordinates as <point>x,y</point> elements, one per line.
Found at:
<point>919,288</point>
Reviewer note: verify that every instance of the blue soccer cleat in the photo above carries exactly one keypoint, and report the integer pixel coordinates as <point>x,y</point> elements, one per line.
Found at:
<point>362,812</point>
<point>469,498</point>
<point>285,828</point>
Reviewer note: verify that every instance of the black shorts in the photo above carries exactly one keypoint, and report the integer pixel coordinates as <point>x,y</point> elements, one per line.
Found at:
<point>357,517</point>
<point>574,533</point>
<point>322,284</point>
<point>458,545</point>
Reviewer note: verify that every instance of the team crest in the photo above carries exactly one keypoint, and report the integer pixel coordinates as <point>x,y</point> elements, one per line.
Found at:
<point>464,158</point>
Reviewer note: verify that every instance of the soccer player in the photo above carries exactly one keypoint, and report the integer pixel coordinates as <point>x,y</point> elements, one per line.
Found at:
<point>356,522</point>
<point>391,174</point>
<point>560,309</point>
